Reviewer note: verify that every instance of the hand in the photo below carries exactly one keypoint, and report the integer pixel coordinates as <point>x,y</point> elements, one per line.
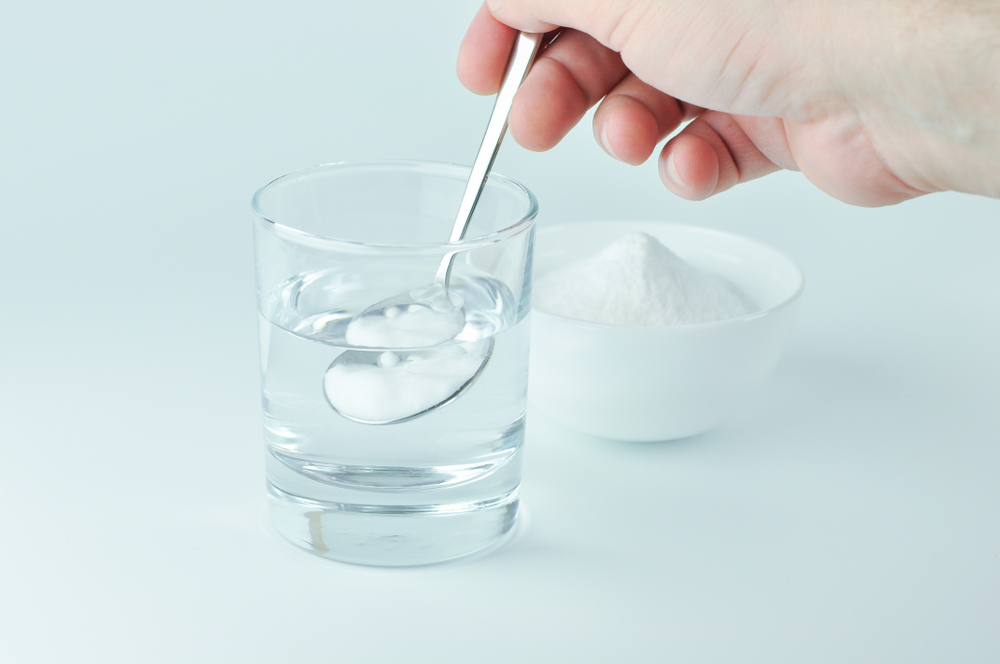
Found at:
<point>875,101</point>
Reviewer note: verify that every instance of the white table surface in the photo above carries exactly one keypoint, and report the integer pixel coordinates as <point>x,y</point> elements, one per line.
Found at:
<point>850,513</point>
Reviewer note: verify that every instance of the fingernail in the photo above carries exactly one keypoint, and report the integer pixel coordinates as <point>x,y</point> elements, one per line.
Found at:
<point>494,5</point>
<point>603,139</point>
<point>672,173</point>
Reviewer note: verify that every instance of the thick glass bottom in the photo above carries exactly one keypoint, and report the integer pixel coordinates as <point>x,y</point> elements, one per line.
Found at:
<point>391,535</point>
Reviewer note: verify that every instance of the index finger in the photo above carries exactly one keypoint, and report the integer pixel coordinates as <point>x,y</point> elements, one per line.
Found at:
<point>484,52</point>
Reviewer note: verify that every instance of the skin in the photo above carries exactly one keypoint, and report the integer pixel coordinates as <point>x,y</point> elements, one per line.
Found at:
<point>874,101</point>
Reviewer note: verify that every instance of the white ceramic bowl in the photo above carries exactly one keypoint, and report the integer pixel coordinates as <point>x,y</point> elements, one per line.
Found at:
<point>647,383</point>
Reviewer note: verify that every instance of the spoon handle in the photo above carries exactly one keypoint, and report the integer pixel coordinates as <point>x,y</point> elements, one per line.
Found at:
<point>521,57</point>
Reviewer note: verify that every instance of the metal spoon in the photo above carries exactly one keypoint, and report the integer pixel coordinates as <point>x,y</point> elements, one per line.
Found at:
<point>525,48</point>
<point>435,296</point>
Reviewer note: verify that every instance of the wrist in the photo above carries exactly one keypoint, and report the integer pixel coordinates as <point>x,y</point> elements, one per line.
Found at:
<point>963,104</point>
<point>923,79</point>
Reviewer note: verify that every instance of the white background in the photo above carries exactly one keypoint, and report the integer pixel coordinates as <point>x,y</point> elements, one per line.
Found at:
<point>849,513</point>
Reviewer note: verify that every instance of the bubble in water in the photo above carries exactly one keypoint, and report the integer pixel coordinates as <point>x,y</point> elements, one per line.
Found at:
<point>388,359</point>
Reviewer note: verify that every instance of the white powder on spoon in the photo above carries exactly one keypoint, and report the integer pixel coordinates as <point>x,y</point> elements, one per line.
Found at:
<point>393,388</point>
<point>638,281</point>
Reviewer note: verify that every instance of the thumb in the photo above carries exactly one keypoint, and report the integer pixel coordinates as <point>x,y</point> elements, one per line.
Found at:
<point>598,18</point>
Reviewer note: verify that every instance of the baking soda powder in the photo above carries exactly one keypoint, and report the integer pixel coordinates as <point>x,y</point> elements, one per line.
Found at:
<point>638,281</point>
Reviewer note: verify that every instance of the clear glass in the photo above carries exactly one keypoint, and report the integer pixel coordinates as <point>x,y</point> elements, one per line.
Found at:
<point>330,242</point>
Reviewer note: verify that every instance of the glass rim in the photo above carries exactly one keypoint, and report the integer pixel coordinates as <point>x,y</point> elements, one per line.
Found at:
<point>320,241</point>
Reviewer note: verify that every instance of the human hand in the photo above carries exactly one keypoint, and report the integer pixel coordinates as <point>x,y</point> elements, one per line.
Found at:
<point>875,101</point>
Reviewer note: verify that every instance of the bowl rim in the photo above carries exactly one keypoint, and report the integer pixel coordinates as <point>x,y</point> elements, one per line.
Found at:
<point>784,304</point>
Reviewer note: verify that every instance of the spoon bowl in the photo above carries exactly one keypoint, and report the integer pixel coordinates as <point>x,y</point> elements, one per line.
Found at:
<point>420,381</point>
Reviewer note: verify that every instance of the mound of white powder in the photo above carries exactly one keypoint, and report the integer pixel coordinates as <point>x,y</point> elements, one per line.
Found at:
<point>638,281</point>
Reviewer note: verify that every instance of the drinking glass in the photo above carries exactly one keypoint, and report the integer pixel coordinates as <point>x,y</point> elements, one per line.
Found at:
<point>332,241</point>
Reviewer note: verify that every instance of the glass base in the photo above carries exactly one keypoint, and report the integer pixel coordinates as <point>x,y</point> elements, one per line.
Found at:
<point>391,535</point>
